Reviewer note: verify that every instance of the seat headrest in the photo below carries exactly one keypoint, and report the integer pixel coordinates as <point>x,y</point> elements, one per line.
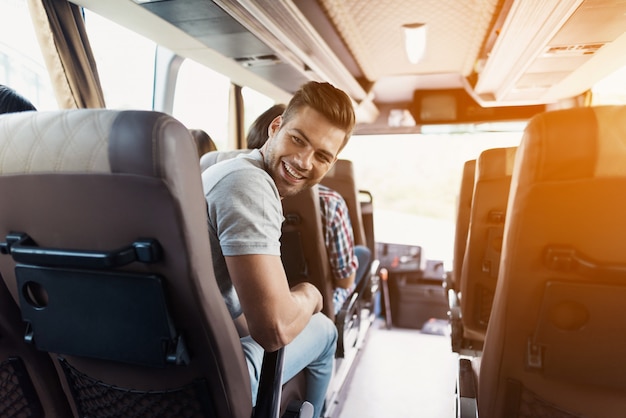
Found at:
<point>495,163</point>
<point>89,141</point>
<point>562,149</point>
<point>213,157</point>
<point>341,168</point>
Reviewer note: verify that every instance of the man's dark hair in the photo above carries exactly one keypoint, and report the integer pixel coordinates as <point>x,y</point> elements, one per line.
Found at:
<point>332,103</point>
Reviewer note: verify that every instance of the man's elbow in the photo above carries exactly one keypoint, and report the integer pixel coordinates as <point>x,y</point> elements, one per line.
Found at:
<point>271,338</point>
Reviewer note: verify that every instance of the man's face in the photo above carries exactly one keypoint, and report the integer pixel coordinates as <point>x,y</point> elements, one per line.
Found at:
<point>300,151</point>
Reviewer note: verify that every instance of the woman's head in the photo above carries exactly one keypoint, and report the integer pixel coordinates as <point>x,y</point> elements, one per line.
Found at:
<point>258,132</point>
<point>11,101</point>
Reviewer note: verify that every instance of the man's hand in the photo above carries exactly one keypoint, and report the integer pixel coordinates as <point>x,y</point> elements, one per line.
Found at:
<point>311,292</point>
<point>275,313</point>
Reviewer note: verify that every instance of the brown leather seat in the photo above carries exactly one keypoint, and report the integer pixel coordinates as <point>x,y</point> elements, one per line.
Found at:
<point>556,339</point>
<point>484,239</point>
<point>453,280</point>
<point>302,245</point>
<point>305,259</point>
<point>341,179</point>
<point>464,207</point>
<point>114,275</point>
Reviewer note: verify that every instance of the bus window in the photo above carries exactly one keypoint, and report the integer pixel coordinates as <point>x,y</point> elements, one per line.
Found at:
<point>254,104</point>
<point>21,63</point>
<point>201,101</point>
<point>415,200</point>
<point>611,90</point>
<point>126,73</point>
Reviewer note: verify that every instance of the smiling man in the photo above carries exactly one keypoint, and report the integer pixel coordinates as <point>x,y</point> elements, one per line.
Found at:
<point>245,217</point>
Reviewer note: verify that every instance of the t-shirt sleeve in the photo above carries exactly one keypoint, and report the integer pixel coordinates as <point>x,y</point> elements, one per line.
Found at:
<point>246,211</point>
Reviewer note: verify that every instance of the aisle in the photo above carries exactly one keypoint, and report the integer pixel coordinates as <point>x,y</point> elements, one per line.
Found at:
<point>401,373</point>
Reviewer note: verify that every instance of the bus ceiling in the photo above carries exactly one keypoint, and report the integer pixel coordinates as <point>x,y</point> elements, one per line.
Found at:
<point>522,55</point>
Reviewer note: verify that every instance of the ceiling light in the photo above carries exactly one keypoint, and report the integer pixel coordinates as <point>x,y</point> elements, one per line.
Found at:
<point>415,41</point>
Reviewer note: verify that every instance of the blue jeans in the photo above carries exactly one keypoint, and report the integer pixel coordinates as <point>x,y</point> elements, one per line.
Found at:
<point>364,255</point>
<point>313,349</point>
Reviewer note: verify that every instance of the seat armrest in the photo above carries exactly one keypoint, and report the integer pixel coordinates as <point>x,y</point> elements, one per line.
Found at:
<point>454,302</point>
<point>466,393</point>
<point>347,322</point>
<point>270,385</point>
<point>456,322</point>
<point>369,284</point>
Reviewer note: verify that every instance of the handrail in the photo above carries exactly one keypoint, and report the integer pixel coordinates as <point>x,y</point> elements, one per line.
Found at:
<point>568,259</point>
<point>23,249</point>
<point>270,385</point>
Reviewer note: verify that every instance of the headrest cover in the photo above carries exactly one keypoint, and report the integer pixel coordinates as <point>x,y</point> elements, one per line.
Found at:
<point>57,141</point>
<point>88,141</point>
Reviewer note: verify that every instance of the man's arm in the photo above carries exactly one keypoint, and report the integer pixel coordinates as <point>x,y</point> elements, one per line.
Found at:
<point>345,283</point>
<point>275,313</point>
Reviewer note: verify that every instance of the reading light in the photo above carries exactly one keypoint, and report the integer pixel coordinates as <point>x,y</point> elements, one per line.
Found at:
<point>415,41</point>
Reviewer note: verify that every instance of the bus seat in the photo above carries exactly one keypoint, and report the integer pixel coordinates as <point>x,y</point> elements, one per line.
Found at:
<point>302,245</point>
<point>341,178</point>
<point>453,280</point>
<point>305,259</point>
<point>212,157</point>
<point>556,340</point>
<point>102,253</point>
<point>464,207</point>
<point>366,200</point>
<point>484,240</point>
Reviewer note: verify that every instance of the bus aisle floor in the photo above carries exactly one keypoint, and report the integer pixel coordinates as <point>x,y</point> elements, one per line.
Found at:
<point>401,372</point>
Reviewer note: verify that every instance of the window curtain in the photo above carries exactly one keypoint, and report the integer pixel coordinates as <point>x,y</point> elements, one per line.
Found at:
<point>63,40</point>
<point>236,128</point>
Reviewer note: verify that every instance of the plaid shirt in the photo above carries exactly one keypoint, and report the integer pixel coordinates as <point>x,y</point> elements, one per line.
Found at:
<point>339,240</point>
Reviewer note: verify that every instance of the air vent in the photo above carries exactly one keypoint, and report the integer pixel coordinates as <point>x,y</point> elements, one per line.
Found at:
<point>258,60</point>
<point>573,50</point>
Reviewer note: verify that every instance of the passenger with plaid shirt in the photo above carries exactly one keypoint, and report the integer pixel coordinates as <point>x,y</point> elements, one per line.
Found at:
<point>339,242</point>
